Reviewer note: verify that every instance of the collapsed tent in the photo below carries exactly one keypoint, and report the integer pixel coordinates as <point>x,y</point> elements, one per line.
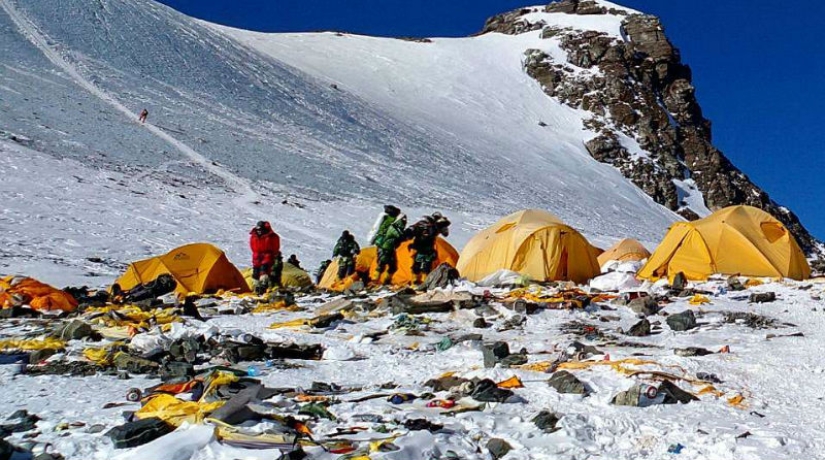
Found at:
<point>623,251</point>
<point>291,277</point>
<point>17,290</point>
<point>737,240</point>
<point>199,268</point>
<point>367,262</point>
<point>533,243</point>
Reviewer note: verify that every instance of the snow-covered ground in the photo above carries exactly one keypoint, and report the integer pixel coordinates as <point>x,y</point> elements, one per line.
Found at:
<point>246,122</point>
<point>779,378</point>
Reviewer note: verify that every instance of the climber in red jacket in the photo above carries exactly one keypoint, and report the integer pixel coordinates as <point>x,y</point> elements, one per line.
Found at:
<point>267,262</point>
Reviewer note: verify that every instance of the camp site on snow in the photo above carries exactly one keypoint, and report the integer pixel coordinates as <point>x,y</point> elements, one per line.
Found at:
<point>451,239</point>
<point>192,357</point>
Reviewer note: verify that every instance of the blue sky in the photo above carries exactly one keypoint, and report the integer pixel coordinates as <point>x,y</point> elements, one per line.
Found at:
<point>758,67</point>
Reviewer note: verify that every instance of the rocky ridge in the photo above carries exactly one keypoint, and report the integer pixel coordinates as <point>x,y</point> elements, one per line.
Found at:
<point>636,88</point>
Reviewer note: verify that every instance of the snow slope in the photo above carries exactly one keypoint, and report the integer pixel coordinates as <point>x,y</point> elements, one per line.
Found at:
<point>252,124</point>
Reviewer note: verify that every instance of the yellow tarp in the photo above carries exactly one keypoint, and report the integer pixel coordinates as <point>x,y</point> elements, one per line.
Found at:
<point>31,345</point>
<point>737,240</point>
<point>625,250</point>
<point>367,261</point>
<point>39,296</point>
<point>199,268</point>
<point>533,243</point>
<point>176,411</point>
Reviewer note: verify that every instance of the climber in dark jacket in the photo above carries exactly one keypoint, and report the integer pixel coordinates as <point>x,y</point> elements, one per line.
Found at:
<point>424,234</point>
<point>345,250</point>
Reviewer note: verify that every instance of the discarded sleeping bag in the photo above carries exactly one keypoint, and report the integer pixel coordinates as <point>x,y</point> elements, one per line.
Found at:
<point>18,290</point>
<point>161,285</point>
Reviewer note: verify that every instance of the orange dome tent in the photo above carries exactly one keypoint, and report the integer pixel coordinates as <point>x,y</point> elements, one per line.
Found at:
<point>625,250</point>
<point>40,296</point>
<point>737,240</point>
<point>199,268</point>
<point>534,243</point>
<point>368,260</point>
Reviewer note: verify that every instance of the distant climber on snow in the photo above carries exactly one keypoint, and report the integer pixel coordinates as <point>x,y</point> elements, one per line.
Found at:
<point>387,238</point>
<point>143,114</point>
<point>267,262</point>
<point>345,250</point>
<point>424,234</point>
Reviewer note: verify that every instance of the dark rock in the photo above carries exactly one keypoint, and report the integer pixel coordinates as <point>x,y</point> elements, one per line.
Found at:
<point>566,383</point>
<point>294,351</point>
<point>442,277</point>
<point>692,351</point>
<point>547,421</point>
<point>683,321</point>
<point>420,424</point>
<point>480,323</point>
<point>646,306</point>
<point>640,329</point>
<point>137,433</point>
<point>673,394</point>
<point>498,448</point>
<point>494,353</point>
<point>19,422</point>
<point>762,297</point>
<point>297,454</point>
<point>516,359</point>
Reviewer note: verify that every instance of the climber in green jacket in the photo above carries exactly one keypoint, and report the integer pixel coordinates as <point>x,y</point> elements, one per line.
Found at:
<point>387,238</point>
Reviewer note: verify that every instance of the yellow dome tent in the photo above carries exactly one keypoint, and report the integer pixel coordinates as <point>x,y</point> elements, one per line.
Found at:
<point>368,260</point>
<point>623,251</point>
<point>199,268</point>
<point>737,240</point>
<point>534,243</point>
<point>291,277</point>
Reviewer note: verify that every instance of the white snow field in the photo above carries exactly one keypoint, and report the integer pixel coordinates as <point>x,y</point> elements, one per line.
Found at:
<point>251,121</point>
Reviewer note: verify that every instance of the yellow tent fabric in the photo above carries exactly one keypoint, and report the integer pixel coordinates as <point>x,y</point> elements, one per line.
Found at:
<point>367,261</point>
<point>291,277</point>
<point>534,243</point>
<point>625,250</point>
<point>199,268</point>
<point>737,240</point>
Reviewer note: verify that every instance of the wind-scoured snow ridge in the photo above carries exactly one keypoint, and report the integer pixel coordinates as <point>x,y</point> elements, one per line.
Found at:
<point>298,123</point>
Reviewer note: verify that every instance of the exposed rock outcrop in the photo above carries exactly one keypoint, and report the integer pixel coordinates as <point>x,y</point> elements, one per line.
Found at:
<point>636,87</point>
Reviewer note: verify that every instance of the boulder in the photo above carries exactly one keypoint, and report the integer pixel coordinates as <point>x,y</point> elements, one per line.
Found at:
<point>762,297</point>
<point>646,306</point>
<point>546,421</point>
<point>683,321</point>
<point>487,391</point>
<point>640,329</point>
<point>566,383</point>
<point>498,448</point>
<point>494,353</point>
<point>442,277</point>
<point>133,364</point>
<point>691,351</point>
